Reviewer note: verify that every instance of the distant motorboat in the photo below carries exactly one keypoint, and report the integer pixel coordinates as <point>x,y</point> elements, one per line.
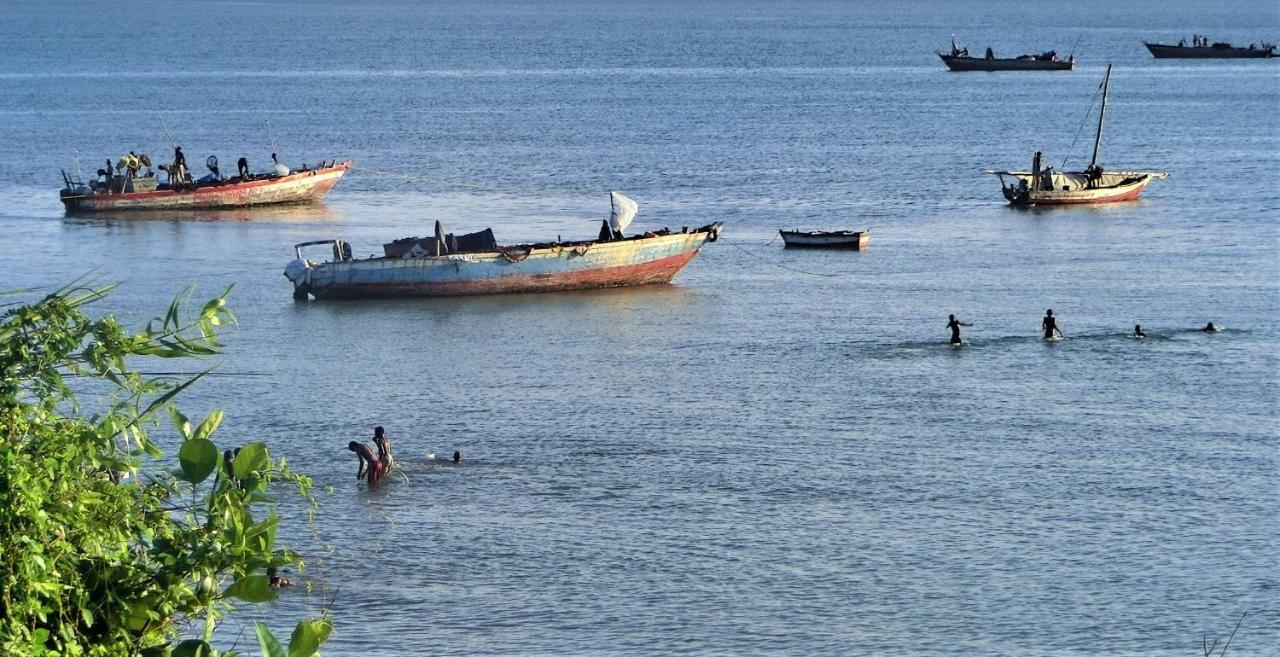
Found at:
<point>1045,186</point>
<point>959,60</point>
<point>1210,51</point>
<point>826,239</point>
<point>472,264</point>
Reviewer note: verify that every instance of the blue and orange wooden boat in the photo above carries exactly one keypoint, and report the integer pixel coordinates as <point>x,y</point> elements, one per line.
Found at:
<point>449,265</point>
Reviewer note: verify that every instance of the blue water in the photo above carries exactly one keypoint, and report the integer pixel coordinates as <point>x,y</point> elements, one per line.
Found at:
<point>778,453</point>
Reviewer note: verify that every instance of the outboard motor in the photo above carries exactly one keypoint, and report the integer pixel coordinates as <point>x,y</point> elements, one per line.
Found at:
<point>299,273</point>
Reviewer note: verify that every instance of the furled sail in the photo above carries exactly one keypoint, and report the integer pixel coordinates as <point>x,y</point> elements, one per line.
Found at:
<point>624,210</point>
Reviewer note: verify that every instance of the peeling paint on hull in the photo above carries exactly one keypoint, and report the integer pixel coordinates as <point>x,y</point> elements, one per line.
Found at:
<point>637,261</point>
<point>297,187</point>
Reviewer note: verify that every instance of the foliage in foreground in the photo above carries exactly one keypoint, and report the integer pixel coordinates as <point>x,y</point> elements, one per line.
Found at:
<point>103,551</point>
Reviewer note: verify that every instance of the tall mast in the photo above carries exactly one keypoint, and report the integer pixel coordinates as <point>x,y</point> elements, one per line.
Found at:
<point>1097,139</point>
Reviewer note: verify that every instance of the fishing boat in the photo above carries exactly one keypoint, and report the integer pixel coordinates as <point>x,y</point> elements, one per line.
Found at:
<point>471,264</point>
<point>826,239</point>
<point>1210,51</point>
<point>133,189</point>
<point>1046,186</point>
<point>959,60</point>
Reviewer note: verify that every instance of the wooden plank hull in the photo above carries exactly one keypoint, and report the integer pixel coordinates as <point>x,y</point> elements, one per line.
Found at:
<point>636,261</point>
<point>963,64</point>
<point>297,187</point>
<point>1163,51</point>
<point>826,240</point>
<point>1115,194</point>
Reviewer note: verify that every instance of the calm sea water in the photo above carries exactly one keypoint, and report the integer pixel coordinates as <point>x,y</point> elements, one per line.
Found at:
<point>778,453</point>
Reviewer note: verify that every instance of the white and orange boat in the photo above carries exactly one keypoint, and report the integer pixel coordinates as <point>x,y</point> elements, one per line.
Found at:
<point>1047,186</point>
<point>131,191</point>
<point>472,264</point>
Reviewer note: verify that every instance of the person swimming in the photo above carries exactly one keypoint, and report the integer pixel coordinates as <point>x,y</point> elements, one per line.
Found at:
<point>955,325</point>
<point>276,580</point>
<point>1210,328</point>
<point>1050,325</point>
<point>1137,331</point>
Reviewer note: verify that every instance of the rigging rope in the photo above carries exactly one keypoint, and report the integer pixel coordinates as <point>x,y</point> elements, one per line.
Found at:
<point>1073,139</point>
<point>782,266</point>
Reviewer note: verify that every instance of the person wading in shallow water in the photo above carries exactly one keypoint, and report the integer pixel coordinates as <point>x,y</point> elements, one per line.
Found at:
<point>369,465</point>
<point>1137,331</point>
<point>384,449</point>
<point>955,329</point>
<point>457,457</point>
<point>1050,325</point>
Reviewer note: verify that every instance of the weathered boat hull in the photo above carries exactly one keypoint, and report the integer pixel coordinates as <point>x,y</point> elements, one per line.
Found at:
<point>1164,51</point>
<point>845,239</point>
<point>540,268</point>
<point>1125,191</point>
<point>297,187</point>
<point>963,64</point>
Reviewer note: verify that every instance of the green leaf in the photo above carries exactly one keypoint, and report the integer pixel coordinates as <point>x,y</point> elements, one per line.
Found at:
<point>252,458</point>
<point>192,648</point>
<point>268,643</point>
<point>180,422</point>
<point>198,457</point>
<point>308,636</point>
<point>251,588</point>
<point>209,425</point>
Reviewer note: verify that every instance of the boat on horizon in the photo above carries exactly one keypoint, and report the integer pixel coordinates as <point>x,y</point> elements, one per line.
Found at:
<point>474,264</point>
<point>126,187</point>
<point>959,60</point>
<point>826,239</point>
<point>1208,50</point>
<point>1045,186</point>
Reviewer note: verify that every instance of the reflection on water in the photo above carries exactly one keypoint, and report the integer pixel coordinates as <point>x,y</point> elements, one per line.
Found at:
<point>265,213</point>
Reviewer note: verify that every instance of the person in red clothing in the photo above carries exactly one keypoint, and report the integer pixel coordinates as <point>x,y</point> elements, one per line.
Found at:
<point>370,466</point>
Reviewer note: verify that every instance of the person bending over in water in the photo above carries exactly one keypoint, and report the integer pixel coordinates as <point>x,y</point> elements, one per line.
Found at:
<point>955,325</point>
<point>384,449</point>
<point>1137,331</point>
<point>276,580</point>
<point>369,466</point>
<point>1050,325</point>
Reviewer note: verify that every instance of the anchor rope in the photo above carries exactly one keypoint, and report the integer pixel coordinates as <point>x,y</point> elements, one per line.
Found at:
<point>780,265</point>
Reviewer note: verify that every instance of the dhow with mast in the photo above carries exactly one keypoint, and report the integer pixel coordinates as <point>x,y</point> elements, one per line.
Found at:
<point>1047,186</point>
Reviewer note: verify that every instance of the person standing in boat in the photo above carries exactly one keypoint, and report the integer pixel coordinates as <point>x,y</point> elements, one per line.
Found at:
<point>384,449</point>
<point>179,168</point>
<point>1050,325</point>
<point>955,325</point>
<point>242,168</point>
<point>370,466</point>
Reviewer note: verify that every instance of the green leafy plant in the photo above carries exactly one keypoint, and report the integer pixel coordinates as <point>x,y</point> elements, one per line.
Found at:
<point>105,549</point>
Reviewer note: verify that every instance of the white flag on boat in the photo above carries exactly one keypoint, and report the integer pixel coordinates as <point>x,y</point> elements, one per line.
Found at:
<point>624,210</point>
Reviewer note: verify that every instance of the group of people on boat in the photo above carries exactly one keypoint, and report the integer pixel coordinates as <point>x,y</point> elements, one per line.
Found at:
<point>1049,325</point>
<point>372,468</point>
<point>129,166</point>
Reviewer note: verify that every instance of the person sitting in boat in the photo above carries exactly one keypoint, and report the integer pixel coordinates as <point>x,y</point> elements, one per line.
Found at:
<point>277,168</point>
<point>384,449</point>
<point>242,168</point>
<point>1137,331</point>
<point>955,325</point>
<point>370,466</point>
<point>1050,325</point>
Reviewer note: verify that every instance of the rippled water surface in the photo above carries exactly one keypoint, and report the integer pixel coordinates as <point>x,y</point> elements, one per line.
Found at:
<point>778,453</point>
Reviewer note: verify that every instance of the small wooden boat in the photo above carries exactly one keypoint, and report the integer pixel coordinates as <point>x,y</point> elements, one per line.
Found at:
<point>1210,51</point>
<point>1045,186</point>
<point>826,239</point>
<point>456,265</point>
<point>959,60</point>
<point>144,192</point>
